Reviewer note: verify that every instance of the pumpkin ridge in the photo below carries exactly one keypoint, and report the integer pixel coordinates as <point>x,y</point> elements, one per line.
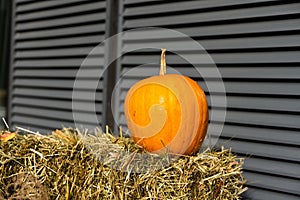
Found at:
<point>204,118</point>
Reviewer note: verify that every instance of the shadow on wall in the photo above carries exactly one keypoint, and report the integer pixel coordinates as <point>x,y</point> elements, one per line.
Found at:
<point>4,53</point>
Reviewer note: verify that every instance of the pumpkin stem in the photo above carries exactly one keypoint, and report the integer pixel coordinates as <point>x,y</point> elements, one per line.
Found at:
<point>163,65</point>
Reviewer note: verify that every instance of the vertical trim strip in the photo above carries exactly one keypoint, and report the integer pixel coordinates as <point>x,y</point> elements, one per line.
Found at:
<point>113,27</point>
<point>11,62</point>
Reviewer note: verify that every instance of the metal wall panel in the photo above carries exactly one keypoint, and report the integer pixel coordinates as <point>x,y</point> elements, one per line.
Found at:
<point>50,40</point>
<point>255,44</point>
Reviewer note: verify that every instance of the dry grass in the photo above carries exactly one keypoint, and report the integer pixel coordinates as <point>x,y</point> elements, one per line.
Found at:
<point>73,165</point>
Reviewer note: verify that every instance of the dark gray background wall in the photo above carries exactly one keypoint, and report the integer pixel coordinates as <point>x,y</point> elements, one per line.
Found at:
<point>4,53</point>
<point>255,44</point>
<point>4,41</point>
<point>50,41</point>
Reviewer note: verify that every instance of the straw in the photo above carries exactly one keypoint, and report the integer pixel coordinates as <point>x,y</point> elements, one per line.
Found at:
<point>70,164</point>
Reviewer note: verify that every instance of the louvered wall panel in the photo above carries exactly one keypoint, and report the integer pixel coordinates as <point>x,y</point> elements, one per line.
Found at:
<point>51,39</point>
<point>256,47</point>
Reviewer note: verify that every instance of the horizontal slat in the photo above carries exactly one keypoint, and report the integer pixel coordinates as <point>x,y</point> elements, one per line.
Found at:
<point>60,42</point>
<point>278,183</point>
<point>58,83</point>
<point>45,53</point>
<point>257,27</point>
<point>222,43</point>
<point>276,167</point>
<point>271,151</point>
<point>50,124</point>
<point>38,5</point>
<point>60,23</point>
<point>220,58</point>
<point>259,87</point>
<point>237,28</point>
<point>259,103</point>
<point>89,6</point>
<point>276,135</point>
<point>24,1</point>
<point>61,32</point>
<point>240,71</point>
<point>127,2</point>
<point>87,106</point>
<point>83,117</point>
<point>260,194</point>
<point>259,118</point>
<point>57,94</point>
<point>67,62</point>
<point>261,72</point>
<point>47,130</point>
<point>19,120</point>
<point>257,57</point>
<point>58,73</point>
<point>167,7</point>
<point>240,87</point>
<point>215,16</point>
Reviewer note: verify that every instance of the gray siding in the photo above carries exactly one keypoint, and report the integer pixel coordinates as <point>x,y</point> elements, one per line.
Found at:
<point>255,45</point>
<point>50,40</point>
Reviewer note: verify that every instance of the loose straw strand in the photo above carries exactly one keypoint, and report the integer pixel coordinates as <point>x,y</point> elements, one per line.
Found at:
<point>5,123</point>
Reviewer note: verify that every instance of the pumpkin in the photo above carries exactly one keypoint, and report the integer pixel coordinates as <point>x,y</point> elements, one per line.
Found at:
<point>167,113</point>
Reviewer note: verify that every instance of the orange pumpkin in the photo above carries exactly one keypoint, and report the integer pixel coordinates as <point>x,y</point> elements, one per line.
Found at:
<point>167,113</point>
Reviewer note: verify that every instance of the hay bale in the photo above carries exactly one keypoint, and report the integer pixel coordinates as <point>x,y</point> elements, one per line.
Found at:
<point>73,165</point>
